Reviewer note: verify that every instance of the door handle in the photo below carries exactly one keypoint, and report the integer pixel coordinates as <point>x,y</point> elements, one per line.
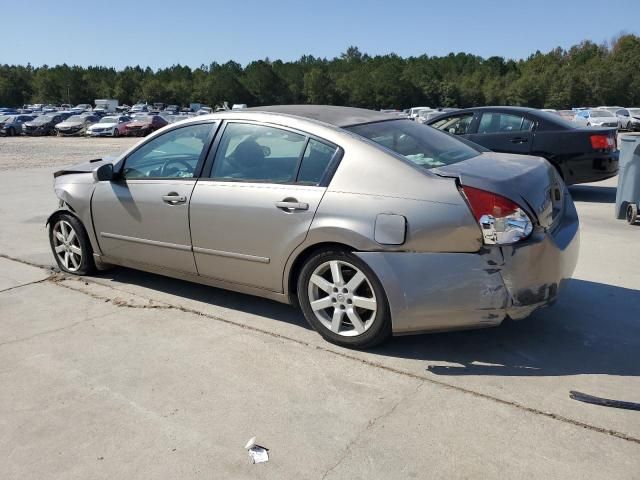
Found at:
<point>519,140</point>
<point>173,198</point>
<point>292,205</point>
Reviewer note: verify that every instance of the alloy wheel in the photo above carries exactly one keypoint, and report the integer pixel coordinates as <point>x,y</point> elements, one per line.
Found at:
<point>66,245</point>
<point>342,298</point>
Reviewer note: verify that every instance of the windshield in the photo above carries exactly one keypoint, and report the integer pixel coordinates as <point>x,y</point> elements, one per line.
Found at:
<point>423,145</point>
<point>600,113</point>
<point>3,118</point>
<point>109,120</point>
<point>76,118</point>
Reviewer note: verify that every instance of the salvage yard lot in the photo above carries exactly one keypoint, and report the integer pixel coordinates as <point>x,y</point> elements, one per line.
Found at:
<point>132,375</point>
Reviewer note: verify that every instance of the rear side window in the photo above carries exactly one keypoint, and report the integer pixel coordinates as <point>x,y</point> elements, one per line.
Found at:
<point>315,162</point>
<point>503,123</point>
<point>251,152</point>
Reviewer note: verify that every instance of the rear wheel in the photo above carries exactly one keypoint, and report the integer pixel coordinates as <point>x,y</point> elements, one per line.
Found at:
<point>343,300</point>
<point>70,245</point>
<point>632,213</point>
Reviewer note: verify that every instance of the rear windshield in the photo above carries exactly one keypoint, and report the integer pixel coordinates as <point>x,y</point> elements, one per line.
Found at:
<point>600,113</point>
<point>425,146</point>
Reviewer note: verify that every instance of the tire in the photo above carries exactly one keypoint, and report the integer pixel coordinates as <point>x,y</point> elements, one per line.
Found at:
<point>631,213</point>
<point>346,324</point>
<point>116,133</point>
<point>73,252</point>
<point>11,132</point>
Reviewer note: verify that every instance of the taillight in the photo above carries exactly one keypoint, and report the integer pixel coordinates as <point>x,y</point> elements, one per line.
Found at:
<point>602,142</point>
<point>501,220</point>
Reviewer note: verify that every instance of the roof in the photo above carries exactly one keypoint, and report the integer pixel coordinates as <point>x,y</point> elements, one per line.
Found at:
<point>338,116</point>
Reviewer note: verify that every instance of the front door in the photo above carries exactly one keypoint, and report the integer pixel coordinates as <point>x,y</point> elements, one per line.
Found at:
<point>257,206</point>
<point>143,216</point>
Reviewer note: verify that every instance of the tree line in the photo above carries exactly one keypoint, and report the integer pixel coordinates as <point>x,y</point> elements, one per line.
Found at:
<point>587,74</point>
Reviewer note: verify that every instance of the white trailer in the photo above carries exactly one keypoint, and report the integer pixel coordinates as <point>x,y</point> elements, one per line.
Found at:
<point>106,106</point>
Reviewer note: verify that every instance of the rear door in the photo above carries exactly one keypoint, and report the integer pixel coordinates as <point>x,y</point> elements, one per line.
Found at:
<point>257,205</point>
<point>504,132</point>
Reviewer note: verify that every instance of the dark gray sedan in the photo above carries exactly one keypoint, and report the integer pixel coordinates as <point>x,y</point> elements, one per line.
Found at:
<point>372,224</point>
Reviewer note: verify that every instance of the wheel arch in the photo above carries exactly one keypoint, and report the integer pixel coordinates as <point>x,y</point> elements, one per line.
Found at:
<point>298,260</point>
<point>59,212</point>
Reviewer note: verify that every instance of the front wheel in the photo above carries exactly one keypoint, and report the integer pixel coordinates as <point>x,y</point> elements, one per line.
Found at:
<point>70,245</point>
<point>343,300</point>
<point>116,133</point>
<point>632,213</point>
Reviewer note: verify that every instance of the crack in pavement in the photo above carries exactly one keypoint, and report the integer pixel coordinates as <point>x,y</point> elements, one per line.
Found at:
<point>370,424</point>
<point>15,287</point>
<point>58,280</point>
<point>55,330</point>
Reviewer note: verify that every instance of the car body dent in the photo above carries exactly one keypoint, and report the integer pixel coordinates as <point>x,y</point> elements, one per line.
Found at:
<point>444,291</point>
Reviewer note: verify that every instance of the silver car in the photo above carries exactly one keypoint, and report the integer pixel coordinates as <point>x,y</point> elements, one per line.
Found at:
<point>372,224</point>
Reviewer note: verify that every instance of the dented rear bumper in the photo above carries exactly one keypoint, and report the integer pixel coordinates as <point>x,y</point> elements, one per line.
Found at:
<point>449,291</point>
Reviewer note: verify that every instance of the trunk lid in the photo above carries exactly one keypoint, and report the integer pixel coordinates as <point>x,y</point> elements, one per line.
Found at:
<point>531,182</point>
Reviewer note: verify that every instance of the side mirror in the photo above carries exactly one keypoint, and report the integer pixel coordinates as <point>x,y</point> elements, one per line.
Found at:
<point>104,173</point>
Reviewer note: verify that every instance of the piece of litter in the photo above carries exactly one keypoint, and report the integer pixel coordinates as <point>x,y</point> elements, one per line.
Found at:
<point>257,453</point>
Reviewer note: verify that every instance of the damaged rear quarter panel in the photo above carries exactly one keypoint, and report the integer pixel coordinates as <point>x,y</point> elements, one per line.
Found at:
<point>441,291</point>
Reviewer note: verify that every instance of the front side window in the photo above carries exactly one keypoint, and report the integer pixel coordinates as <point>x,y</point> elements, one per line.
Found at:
<point>174,154</point>
<point>251,152</point>
<point>455,125</point>
<point>422,145</point>
<point>503,123</point>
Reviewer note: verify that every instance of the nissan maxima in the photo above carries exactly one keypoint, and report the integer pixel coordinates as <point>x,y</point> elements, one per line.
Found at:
<point>372,224</point>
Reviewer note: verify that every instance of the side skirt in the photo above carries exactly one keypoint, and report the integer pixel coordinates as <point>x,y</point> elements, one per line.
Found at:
<point>189,277</point>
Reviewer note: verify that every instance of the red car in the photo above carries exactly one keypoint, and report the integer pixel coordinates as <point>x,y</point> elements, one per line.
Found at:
<point>143,125</point>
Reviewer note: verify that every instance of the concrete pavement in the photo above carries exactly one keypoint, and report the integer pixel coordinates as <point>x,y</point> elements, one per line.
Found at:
<point>105,377</point>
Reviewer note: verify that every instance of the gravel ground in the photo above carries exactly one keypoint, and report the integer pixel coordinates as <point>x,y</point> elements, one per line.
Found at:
<point>30,152</point>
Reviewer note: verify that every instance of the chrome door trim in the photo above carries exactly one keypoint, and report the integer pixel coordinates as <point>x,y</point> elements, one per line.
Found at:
<point>239,256</point>
<point>144,241</point>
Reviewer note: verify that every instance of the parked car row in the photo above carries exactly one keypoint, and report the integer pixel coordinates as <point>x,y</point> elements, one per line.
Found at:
<point>67,124</point>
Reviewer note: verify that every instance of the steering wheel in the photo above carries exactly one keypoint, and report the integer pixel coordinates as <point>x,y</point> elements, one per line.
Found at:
<point>165,170</point>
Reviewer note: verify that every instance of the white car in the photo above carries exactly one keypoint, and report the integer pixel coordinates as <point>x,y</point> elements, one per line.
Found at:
<point>629,118</point>
<point>111,126</point>
<point>597,118</point>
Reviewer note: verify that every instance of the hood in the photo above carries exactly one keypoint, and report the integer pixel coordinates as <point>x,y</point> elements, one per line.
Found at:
<point>67,124</point>
<point>531,182</point>
<point>139,123</point>
<point>86,167</point>
<point>603,119</point>
<point>102,125</point>
<point>37,124</point>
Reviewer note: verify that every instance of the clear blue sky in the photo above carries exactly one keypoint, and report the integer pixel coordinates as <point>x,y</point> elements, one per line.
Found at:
<point>192,32</point>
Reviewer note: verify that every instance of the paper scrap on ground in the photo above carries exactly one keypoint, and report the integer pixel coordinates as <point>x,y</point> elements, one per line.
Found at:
<point>257,453</point>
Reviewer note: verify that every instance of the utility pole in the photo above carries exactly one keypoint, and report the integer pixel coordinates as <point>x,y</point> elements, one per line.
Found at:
<point>68,96</point>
